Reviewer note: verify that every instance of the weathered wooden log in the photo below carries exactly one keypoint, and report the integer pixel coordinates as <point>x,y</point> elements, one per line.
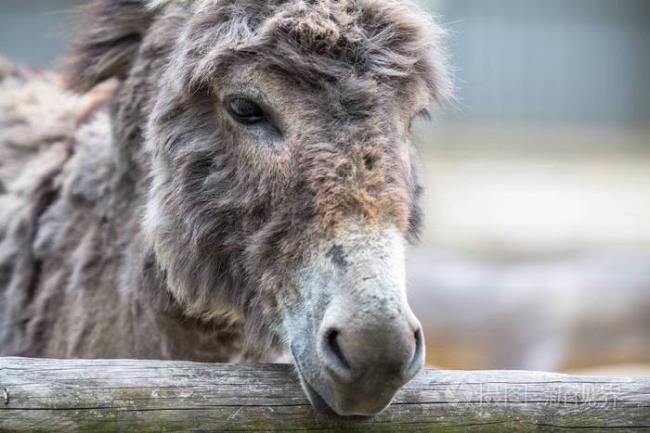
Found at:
<point>38,395</point>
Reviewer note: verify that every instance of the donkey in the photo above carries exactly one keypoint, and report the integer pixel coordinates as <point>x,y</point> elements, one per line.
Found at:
<point>232,180</point>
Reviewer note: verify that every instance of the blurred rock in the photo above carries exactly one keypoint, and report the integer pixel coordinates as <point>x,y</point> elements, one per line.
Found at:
<point>570,313</point>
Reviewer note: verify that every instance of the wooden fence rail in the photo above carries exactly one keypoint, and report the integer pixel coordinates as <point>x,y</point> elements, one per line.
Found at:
<point>38,395</point>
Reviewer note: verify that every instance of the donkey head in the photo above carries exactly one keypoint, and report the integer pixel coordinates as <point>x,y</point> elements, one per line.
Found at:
<point>283,187</point>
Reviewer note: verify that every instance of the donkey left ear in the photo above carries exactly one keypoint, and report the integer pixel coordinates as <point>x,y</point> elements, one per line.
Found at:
<point>108,42</point>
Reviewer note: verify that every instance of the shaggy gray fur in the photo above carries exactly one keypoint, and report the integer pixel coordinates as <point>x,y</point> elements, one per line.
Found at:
<point>136,220</point>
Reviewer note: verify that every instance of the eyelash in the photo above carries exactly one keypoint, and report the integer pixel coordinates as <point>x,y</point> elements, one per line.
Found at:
<point>237,107</point>
<point>256,117</point>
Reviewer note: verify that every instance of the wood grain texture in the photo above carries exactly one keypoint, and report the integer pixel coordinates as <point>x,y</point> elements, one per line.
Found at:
<point>38,395</point>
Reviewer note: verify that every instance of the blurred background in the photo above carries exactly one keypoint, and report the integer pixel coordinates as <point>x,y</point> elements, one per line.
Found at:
<point>536,253</point>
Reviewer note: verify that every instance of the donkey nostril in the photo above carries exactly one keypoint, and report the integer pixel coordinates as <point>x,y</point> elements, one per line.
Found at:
<point>418,355</point>
<point>333,343</point>
<point>333,358</point>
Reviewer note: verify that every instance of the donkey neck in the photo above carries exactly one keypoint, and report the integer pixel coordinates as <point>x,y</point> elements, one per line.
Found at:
<point>159,322</point>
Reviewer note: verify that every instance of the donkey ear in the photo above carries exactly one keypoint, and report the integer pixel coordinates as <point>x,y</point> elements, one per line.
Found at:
<point>108,41</point>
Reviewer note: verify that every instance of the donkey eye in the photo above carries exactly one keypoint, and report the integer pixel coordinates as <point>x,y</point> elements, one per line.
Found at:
<point>245,111</point>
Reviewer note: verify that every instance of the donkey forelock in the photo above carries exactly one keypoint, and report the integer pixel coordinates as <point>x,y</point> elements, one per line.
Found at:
<point>309,40</point>
<point>319,41</point>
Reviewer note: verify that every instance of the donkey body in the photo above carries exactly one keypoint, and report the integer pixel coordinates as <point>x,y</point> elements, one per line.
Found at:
<point>71,242</point>
<point>231,181</point>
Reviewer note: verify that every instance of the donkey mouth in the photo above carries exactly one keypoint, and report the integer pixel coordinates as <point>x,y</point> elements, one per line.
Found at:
<point>319,403</point>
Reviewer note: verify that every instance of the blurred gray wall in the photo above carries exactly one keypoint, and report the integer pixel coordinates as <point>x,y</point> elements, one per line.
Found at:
<point>516,60</point>
<point>550,60</point>
<point>36,32</point>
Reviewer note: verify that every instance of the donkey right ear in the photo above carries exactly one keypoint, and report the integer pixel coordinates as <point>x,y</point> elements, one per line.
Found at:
<point>108,41</point>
